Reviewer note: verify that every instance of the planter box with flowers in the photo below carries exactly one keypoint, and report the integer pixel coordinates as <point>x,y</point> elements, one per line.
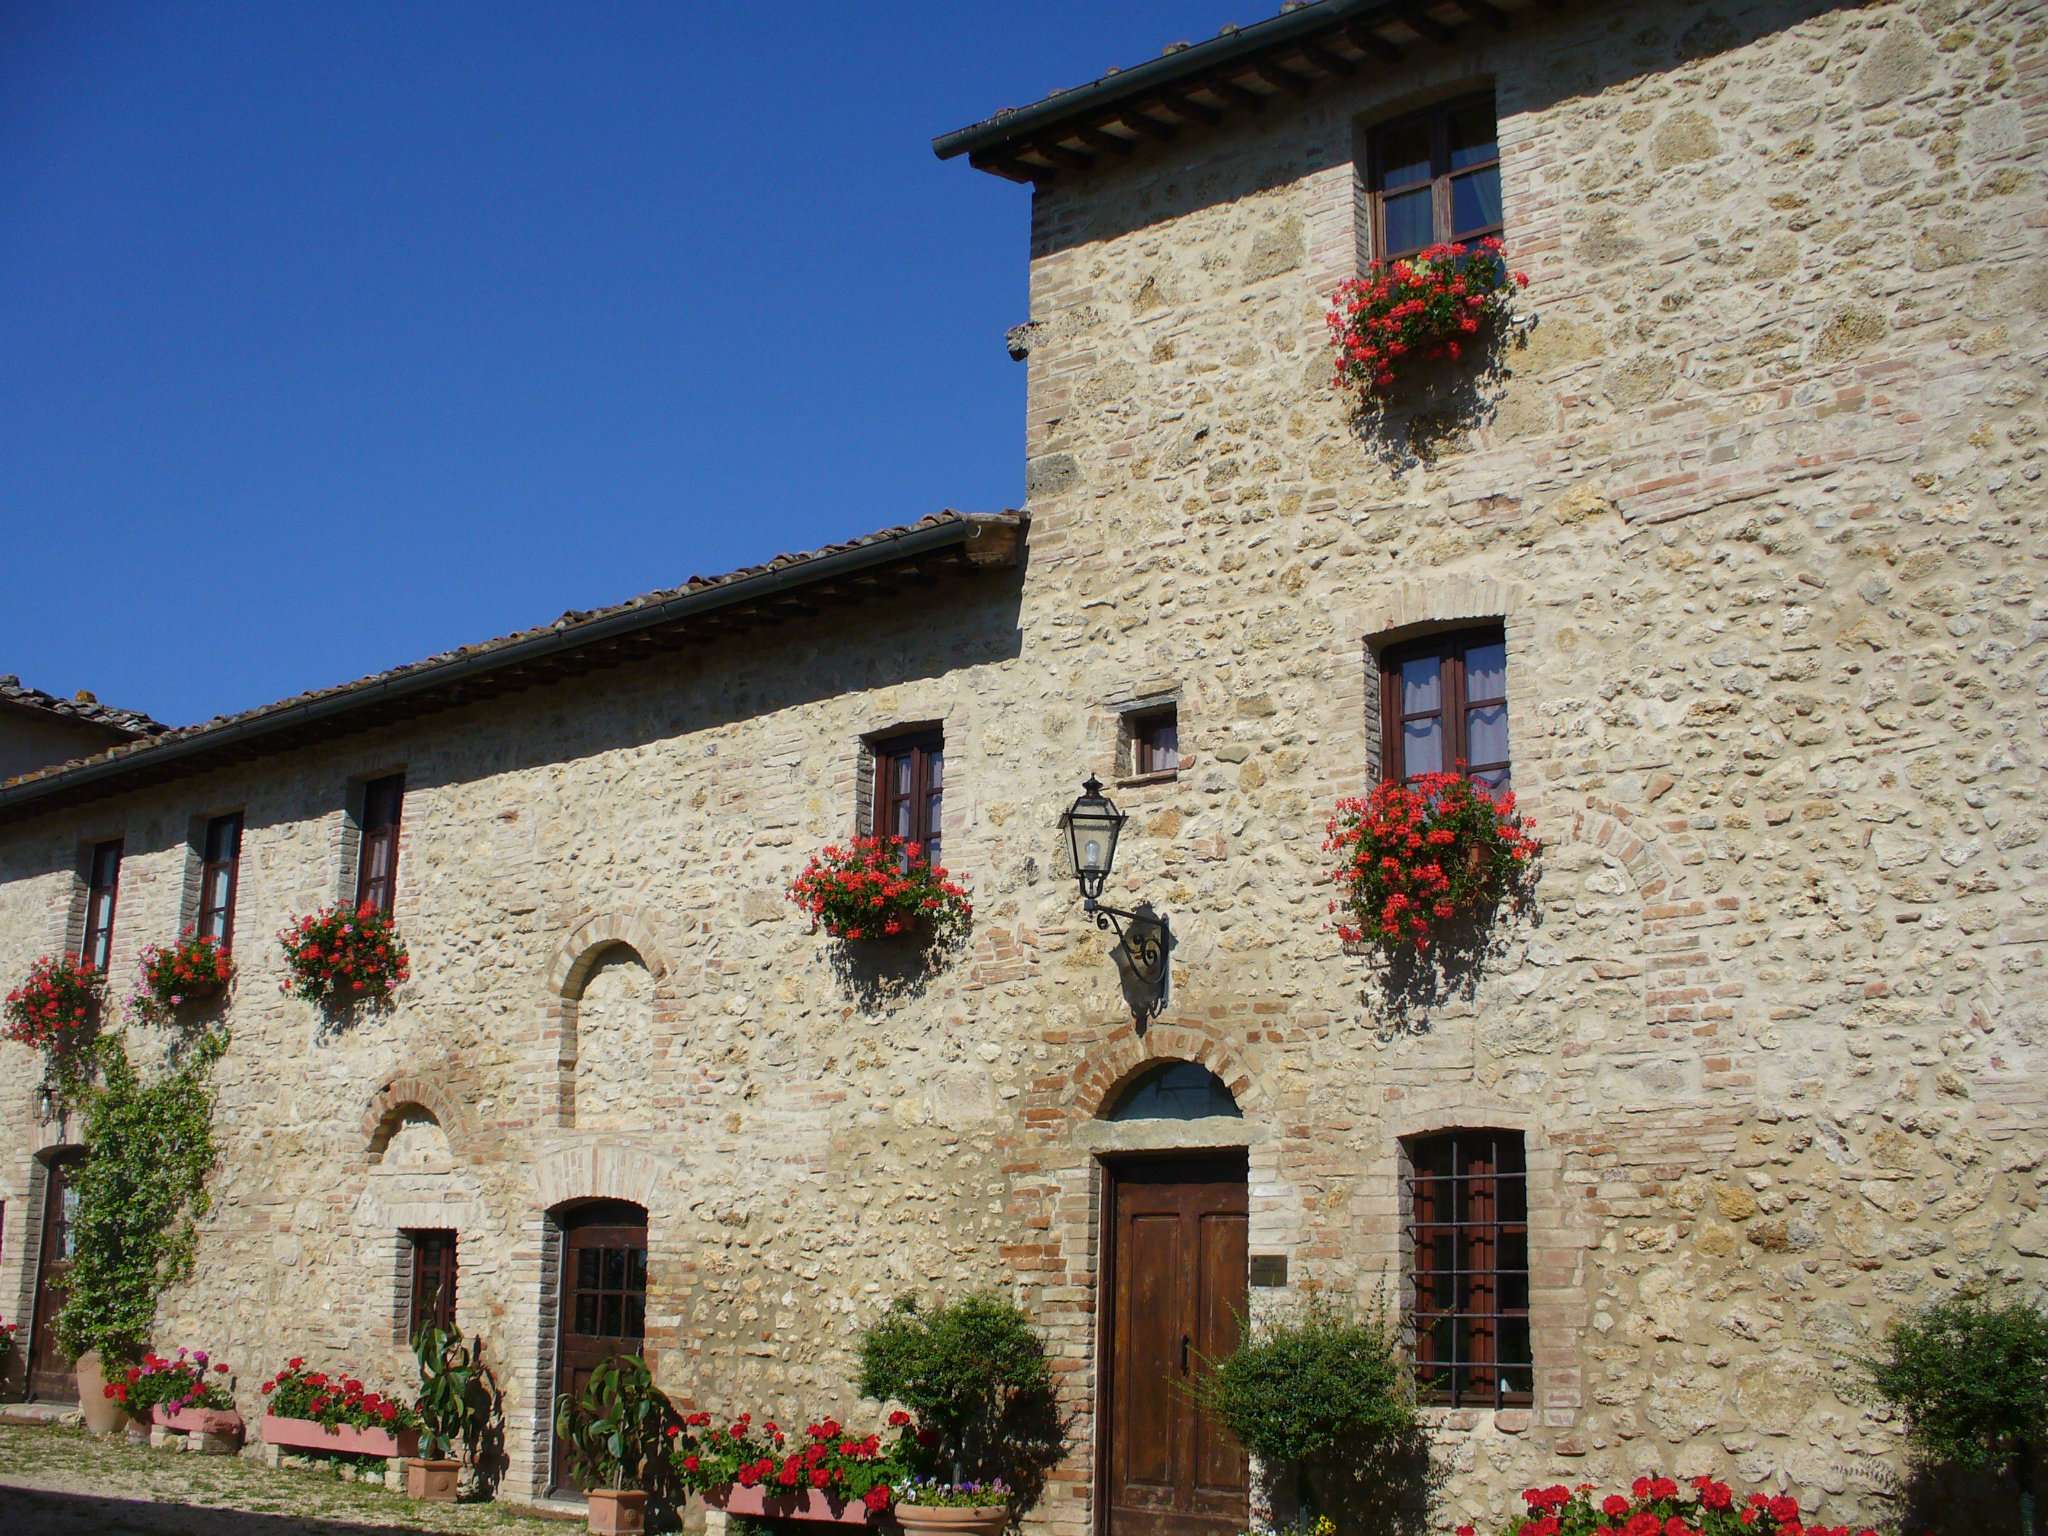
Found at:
<point>1414,857</point>
<point>193,973</point>
<point>56,1009</point>
<point>1437,305</point>
<point>829,1474</point>
<point>182,1399</point>
<point>1658,1505</point>
<point>881,888</point>
<point>318,1411</point>
<point>343,955</point>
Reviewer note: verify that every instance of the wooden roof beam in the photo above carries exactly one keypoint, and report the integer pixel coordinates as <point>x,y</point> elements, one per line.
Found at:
<point>1368,41</point>
<point>1237,95</point>
<point>1286,79</point>
<point>1149,125</point>
<point>1418,18</point>
<point>1488,12</point>
<point>1329,63</point>
<point>1189,108</point>
<point>1099,141</point>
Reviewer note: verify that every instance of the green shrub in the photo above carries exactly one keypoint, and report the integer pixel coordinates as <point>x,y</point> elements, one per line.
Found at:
<point>1317,1390</point>
<point>973,1372</point>
<point>1971,1378</point>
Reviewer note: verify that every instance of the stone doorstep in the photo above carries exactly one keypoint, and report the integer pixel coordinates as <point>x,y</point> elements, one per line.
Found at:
<point>32,1414</point>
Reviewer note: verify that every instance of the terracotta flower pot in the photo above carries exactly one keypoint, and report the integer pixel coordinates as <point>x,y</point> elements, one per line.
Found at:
<point>939,1520</point>
<point>617,1511</point>
<point>434,1480</point>
<point>199,1421</point>
<point>103,1415</point>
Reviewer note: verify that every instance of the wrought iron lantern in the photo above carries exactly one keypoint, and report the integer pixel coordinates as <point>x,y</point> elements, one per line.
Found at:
<point>1144,939</point>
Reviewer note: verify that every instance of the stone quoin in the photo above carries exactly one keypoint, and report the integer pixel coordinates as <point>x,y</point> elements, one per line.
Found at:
<point>1734,552</point>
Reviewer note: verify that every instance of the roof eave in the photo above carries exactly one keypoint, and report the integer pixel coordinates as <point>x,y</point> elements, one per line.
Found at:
<point>153,760</point>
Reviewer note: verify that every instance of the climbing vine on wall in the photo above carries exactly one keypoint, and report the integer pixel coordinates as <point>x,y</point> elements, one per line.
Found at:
<point>141,1189</point>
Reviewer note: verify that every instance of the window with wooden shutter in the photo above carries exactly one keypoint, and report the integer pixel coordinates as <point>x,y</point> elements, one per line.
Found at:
<point>910,790</point>
<point>1434,177</point>
<point>1444,701</point>
<point>377,849</point>
<point>433,1280</point>
<point>102,892</point>
<point>220,858</point>
<point>1468,1233</point>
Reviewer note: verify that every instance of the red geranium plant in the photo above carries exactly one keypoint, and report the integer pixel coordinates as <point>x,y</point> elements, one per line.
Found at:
<point>334,1399</point>
<point>57,1010</point>
<point>1658,1506</point>
<point>1440,303</point>
<point>880,888</point>
<point>343,954</point>
<point>178,1383</point>
<point>1414,856</point>
<point>827,1458</point>
<point>194,970</point>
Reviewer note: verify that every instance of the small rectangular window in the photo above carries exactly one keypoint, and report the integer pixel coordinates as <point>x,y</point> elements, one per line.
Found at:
<point>102,891</point>
<point>1444,701</point>
<point>1434,177</point>
<point>910,790</point>
<point>1155,740</point>
<point>1468,1201</point>
<point>377,853</point>
<point>433,1280</point>
<point>220,858</point>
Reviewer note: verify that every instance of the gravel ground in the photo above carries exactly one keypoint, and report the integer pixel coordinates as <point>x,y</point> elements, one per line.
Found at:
<point>63,1482</point>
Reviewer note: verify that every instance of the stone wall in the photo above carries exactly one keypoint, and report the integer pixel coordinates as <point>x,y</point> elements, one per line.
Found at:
<point>1757,505</point>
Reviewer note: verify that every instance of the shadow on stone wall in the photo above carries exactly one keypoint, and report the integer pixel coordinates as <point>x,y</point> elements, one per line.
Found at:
<point>1388,1492</point>
<point>880,975</point>
<point>1414,983</point>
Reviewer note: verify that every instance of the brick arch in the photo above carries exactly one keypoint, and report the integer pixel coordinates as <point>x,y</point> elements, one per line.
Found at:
<point>600,1170</point>
<point>1106,1071</point>
<point>399,1094</point>
<point>578,953</point>
<point>1420,605</point>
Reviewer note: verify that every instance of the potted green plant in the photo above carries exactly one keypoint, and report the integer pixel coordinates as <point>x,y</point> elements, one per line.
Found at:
<point>1971,1378</point>
<point>454,1408</point>
<point>974,1374</point>
<point>1320,1395</point>
<point>614,1432</point>
<point>930,1506</point>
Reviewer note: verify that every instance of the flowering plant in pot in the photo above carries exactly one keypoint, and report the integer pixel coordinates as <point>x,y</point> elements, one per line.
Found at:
<point>1412,857</point>
<point>182,1393</point>
<point>7,1332</point>
<point>614,1433</point>
<point>757,1471</point>
<point>929,1506</point>
<point>454,1409</point>
<point>56,1009</point>
<point>194,971</point>
<point>880,888</point>
<point>1437,304</point>
<point>343,954</point>
<point>1659,1506</point>
<point>321,1410</point>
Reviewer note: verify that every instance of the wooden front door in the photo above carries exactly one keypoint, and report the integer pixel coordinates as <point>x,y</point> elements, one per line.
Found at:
<point>602,1300</point>
<point>1177,1293</point>
<point>52,1374</point>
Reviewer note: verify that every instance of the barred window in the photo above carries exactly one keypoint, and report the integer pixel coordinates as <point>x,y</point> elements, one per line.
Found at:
<point>1469,1239</point>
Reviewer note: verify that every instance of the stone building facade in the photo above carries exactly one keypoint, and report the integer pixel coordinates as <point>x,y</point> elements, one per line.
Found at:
<point>1753,502</point>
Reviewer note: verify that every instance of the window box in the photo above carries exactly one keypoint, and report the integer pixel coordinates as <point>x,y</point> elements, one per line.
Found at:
<point>211,1431</point>
<point>311,1435</point>
<point>781,1504</point>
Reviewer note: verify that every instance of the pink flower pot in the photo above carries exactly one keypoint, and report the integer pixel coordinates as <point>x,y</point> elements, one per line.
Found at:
<point>788,1504</point>
<point>224,1422</point>
<point>311,1435</point>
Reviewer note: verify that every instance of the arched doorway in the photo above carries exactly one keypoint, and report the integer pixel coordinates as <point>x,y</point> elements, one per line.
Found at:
<point>1175,1250</point>
<point>601,1301</point>
<point>52,1374</point>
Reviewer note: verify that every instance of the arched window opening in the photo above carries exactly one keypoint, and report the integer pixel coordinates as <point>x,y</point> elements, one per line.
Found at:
<point>1175,1090</point>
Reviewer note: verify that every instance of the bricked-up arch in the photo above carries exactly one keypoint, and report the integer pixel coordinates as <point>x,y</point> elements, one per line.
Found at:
<point>578,953</point>
<point>595,937</point>
<point>390,1102</point>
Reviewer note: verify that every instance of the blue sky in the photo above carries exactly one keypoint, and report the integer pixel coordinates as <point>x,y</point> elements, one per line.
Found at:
<point>332,336</point>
